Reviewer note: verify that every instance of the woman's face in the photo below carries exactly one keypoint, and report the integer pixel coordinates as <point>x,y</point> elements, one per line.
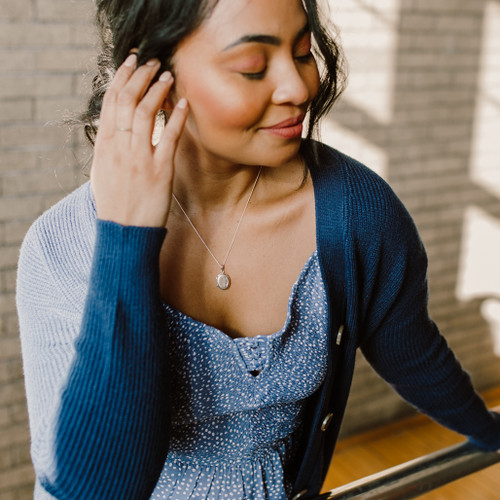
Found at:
<point>248,75</point>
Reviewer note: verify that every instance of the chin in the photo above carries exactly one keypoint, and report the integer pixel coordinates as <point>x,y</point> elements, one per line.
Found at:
<point>282,154</point>
<point>269,152</point>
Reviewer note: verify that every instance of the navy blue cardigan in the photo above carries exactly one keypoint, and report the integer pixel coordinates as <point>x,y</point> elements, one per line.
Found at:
<point>100,389</point>
<point>375,268</point>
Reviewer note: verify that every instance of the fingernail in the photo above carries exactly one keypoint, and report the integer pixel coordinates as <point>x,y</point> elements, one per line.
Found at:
<point>131,61</point>
<point>152,62</point>
<point>182,104</point>
<point>165,76</point>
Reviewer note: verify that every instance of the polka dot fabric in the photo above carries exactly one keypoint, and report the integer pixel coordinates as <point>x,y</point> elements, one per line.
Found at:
<point>238,403</point>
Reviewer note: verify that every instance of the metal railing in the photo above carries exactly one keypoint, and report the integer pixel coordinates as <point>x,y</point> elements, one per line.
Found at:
<point>416,477</point>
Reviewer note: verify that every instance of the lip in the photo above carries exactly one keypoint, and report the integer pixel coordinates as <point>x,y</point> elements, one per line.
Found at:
<point>290,122</point>
<point>287,129</point>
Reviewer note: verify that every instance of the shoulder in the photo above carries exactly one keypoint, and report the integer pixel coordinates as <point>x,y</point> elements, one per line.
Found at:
<point>75,213</point>
<point>370,206</point>
<point>58,246</point>
<point>384,255</point>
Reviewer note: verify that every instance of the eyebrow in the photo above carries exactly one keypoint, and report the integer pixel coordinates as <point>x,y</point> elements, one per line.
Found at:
<point>266,39</point>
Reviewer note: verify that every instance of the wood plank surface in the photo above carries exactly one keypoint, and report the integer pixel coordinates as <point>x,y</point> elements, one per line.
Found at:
<point>378,449</point>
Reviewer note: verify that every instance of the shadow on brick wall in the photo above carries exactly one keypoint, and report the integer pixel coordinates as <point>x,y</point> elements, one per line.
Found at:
<point>433,148</point>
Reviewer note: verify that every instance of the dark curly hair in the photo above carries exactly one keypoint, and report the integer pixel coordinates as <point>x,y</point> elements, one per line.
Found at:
<point>156,27</point>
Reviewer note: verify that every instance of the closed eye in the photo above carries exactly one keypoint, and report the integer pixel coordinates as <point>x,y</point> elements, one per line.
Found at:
<point>305,58</point>
<point>255,76</point>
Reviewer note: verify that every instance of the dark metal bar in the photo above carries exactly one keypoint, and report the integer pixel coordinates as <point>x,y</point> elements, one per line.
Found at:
<point>416,477</point>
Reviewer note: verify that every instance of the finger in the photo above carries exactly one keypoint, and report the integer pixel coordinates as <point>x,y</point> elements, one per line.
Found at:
<point>108,112</point>
<point>165,151</point>
<point>131,94</point>
<point>147,110</point>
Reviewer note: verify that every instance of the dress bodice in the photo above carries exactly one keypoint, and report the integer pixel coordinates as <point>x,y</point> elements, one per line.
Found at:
<point>237,404</point>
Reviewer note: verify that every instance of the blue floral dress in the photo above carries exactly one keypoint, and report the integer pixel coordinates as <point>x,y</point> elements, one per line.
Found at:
<point>237,404</point>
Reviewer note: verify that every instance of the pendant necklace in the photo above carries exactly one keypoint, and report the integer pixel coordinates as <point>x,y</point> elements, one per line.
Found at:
<point>223,280</point>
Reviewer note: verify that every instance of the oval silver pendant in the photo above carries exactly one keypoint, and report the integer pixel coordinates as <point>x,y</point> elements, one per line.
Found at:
<point>223,281</point>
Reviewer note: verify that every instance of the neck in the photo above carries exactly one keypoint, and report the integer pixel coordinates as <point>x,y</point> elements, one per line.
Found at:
<point>203,187</point>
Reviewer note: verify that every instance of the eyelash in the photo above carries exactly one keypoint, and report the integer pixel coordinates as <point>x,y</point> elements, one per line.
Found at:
<point>254,76</point>
<point>258,76</point>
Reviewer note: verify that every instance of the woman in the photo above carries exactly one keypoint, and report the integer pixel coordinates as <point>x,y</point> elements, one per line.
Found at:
<point>215,361</point>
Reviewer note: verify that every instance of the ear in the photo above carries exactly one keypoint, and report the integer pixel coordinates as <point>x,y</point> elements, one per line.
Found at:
<point>167,105</point>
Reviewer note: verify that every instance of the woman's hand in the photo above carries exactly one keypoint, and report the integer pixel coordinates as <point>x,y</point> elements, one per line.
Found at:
<point>132,179</point>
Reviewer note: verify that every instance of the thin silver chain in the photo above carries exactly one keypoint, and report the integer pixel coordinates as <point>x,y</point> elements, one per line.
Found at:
<point>223,265</point>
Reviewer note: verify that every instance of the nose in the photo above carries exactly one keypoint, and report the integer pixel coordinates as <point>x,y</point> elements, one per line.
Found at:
<point>292,87</point>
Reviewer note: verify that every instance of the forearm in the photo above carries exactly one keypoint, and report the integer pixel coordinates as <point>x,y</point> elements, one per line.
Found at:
<point>418,363</point>
<point>111,433</point>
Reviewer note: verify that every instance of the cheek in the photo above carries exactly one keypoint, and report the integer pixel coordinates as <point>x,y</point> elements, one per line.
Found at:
<point>313,81</point>
<point>216,103</point>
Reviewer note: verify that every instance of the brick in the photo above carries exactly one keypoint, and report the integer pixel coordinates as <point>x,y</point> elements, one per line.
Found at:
<point>34,135</point>
<point>15,456</point>
<point>17,60</point>
<point>8,277</point>
<point>10,350</point>
<point>57,108</point>
<point>19,413</point>
<point>16,110</point>
<point>417,22</point>
<point>21,454</point>
<point>34,35</point>
<point>84,35</point>
<point>82,83</point>
<point>16,369</point>
<point>62,169</point>
<point>5,377</point>
<point>64,10</point>
<point>4,415</point>
<point>11,326</point>
<point>7,305</point>
<point>11,371</point>
<point>52,199</point>
<point>83,157</point>
<point>13,207</point>
<point>40,181</point>
<point>26,492</point>
<point>16,230</point>
<point>8,258</point>
<point>18,476</point>
<point>63,60</point>
<point>17,160</point>
<point>20,9</point>
<point>12,393</point>
<point>462,24</point>
<point>424,80</point>
<point>450,6</point>
<point>37,85</point>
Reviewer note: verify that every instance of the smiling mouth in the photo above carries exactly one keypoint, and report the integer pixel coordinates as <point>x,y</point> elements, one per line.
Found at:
<point>287,129</point>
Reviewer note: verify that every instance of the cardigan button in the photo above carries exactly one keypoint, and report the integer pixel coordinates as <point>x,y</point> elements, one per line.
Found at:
<point>339,335</point>
<point>326,422</point>
<point>300,494</point>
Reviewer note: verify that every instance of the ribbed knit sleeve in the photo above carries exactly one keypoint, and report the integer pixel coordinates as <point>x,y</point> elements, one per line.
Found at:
<point>399,339</point>
<point>104,432</point>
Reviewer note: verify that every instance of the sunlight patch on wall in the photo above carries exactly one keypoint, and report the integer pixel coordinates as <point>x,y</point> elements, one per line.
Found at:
<point>355,145</point>
<point>479,270</point>
<point>369,33</point>
<point>485,162</point>
<point>490,309</point>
